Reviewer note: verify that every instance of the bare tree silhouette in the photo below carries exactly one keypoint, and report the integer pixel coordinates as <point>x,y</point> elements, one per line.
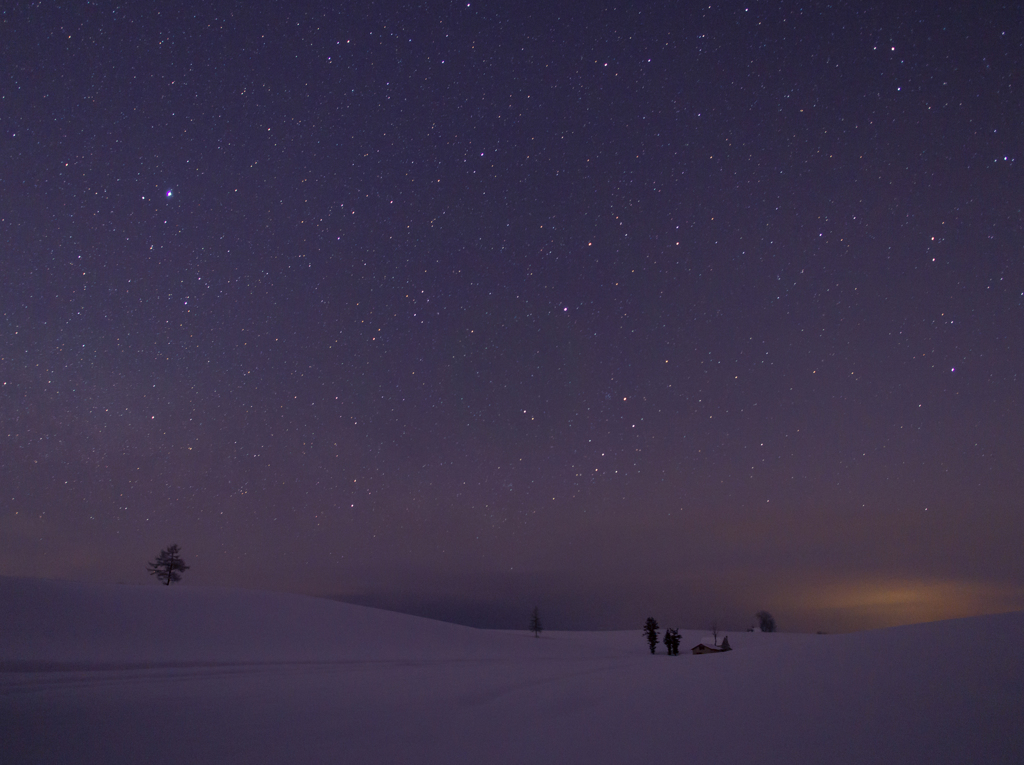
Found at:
<point>535,626</point>
<point>167,565</point>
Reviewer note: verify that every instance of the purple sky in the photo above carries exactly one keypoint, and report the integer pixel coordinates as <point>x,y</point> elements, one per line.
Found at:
<point>459,308</point>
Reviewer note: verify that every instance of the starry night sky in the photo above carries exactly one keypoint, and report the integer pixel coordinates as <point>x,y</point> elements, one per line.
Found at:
<point>459,308</point>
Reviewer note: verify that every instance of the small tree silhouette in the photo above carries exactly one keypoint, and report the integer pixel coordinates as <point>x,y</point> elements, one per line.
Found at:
<point>672,640</point>
<point>651,632</point>
<point>765,621</point>
<point>714,630</point>
<point>535,626</point>
<point>167,565</point>
<point>725,644</point>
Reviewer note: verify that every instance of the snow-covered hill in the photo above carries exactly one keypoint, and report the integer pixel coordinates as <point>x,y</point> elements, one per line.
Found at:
<point>121,674</point>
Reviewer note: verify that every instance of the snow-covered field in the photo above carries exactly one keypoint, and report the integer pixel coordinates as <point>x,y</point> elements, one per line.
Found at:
<point>128,674</point>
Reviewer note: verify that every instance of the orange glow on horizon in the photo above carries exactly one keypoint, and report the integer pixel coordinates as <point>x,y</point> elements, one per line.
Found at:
<point>876,603</point>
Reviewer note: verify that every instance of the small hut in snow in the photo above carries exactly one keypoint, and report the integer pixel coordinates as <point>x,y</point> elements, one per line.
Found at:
<point>703,647</point>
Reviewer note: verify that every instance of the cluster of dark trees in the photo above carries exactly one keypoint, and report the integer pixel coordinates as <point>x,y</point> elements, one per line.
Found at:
<point>765,620</point>
<point>671,639</point>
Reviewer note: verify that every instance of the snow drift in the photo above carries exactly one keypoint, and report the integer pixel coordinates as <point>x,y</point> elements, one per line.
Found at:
<point>119,674</point>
